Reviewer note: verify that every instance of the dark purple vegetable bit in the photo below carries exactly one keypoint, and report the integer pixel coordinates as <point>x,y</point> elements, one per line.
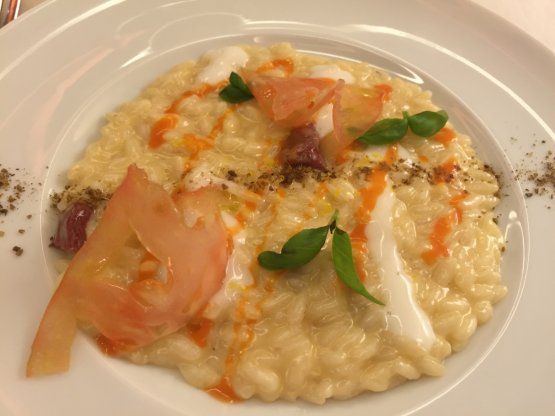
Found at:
<point>72,227</point>
<point>301,148</point>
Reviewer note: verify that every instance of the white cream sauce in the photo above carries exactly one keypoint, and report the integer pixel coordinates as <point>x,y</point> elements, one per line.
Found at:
<point>403,314</point>
<point>237,276</point>
<point>221,63</point>
<point>323,119</point>
<point>376,153</point>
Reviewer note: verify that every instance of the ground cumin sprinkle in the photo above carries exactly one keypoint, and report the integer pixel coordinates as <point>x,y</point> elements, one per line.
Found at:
<point>539,179</point>
<point>17,250</point>
<point>90,196</point>
<point>11,190</point>
<point>14,184</point>
<point>282,177</point>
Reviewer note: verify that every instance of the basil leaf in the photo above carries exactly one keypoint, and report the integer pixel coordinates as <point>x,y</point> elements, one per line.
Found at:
<point>385,131</point>
<point>427,123</point>
<point>236,80</point>
<point>342,254</point>
<point>237,91</point>
<point>297,251</point>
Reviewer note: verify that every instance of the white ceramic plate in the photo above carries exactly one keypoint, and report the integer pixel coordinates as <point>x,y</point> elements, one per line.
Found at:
<point>67,63</point>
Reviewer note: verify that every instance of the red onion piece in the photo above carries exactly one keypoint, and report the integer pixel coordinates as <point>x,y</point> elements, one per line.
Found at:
<point>301,148</point>
<point>72,227</point>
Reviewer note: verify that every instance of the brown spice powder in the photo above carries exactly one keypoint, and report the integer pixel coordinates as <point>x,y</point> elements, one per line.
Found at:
<point>538,176</point>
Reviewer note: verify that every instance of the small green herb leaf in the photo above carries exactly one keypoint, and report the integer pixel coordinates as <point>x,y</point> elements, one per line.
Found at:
<point>237,91</point>
<point>297,251</point>
<point>236,80</point>
<point>306,244</point>
<point>385,131</point>
<point>427,123</point>
<point>344,265</point>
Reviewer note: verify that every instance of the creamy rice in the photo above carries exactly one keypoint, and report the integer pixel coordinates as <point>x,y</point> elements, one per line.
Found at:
<point>302,333</point>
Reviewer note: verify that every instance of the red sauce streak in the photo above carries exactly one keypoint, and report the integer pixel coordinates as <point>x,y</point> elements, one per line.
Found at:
<point>286,64</point>
<point>445,136</point>
<point>163,125</point>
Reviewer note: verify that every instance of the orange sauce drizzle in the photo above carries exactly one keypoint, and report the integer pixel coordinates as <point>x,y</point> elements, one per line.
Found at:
<point>358,242</point>
<point>223,391</point>
<point>455,202</point>
<point>385,91</point>
<point>390,155</point>
<point>241,215</point>
<point>200,92</point>
<point>443,226</point>
<point>162,125</point>
<point>198,330</point>
<point>219,126</point>
<point>445,136</point>
<point>342,156</point>
<point>168,121</point>
<point>370,194</point>
<point>441,230</point>
<point>423,158</point>
<point>286,64</point>
<point>319,194</point>
<point>194,145</point>
<point>243,335</point>
<point>243,329</point>
<point>376,185</point>
<point>446,171</point>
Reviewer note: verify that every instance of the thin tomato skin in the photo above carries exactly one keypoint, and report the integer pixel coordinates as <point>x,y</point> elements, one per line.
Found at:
<point>355,110</point>
<point>128,316</point>
<point>293,101</point>
<point>290,102</point>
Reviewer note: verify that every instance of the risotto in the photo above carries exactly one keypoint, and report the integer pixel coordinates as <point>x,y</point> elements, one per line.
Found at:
<point>235,176</point>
